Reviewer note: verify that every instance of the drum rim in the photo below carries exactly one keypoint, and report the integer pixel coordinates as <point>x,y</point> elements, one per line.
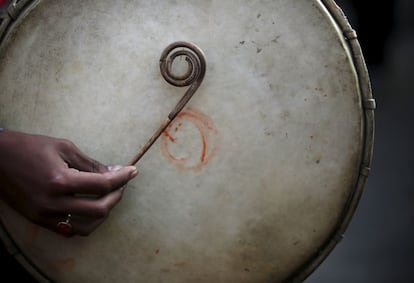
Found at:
<point>368,129</point>
<point>15,12</point>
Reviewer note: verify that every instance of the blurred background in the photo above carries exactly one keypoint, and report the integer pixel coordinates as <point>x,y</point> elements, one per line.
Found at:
<point>379,243</point>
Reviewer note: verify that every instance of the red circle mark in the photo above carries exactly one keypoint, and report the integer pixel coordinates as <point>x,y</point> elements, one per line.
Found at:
<point>195,159</point>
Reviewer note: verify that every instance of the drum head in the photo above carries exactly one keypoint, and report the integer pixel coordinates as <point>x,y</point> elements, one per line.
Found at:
<point>254,181</point>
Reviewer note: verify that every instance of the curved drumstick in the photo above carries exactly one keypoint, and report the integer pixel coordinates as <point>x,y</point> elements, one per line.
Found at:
<point>193,77</point>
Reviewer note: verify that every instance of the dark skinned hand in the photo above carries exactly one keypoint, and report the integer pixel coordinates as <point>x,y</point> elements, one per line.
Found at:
<point>46,178</point>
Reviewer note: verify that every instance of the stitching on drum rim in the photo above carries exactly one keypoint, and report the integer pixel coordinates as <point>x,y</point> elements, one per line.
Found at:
<point>11,14</point>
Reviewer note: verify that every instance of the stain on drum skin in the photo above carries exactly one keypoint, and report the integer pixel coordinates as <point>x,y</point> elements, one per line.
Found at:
<point>194,124</point>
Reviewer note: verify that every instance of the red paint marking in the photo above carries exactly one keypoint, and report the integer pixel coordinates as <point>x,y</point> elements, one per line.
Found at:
<point>209,139</point>
<point>203,153</point>
<point>171,138</point>
<point>2,2</point>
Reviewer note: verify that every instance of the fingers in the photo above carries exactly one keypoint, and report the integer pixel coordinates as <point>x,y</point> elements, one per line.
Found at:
<point>83,226</point>
<point>85,214</point>
<point>47,179</point>
<point>88,214</point>
<point>87,190</point>
<point>88,176</point>
<point>89,197</point>
<point>78,182</point>
<point>93,207</point>
<point>78,160</point>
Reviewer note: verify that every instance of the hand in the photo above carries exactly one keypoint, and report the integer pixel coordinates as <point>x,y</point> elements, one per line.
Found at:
<point>46,178</point>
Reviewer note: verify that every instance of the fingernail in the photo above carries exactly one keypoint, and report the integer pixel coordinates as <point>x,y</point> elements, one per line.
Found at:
<point>134,172</point>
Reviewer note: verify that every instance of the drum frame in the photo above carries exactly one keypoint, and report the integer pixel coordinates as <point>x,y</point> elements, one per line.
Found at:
<point>14,11</point>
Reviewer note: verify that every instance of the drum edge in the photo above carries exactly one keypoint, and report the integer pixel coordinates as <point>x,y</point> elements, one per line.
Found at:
<point>17,10</point>
<point>369,105</point>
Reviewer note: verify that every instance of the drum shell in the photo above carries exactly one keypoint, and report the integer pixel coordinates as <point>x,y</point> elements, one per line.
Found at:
<point>273,141</point>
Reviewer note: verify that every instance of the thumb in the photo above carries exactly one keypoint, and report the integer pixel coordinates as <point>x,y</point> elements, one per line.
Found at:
<point>121,175</point>
<point>126,171</point>
<point>76,159</point>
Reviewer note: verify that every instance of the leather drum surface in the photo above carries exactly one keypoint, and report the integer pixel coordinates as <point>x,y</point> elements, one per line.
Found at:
<point>254,181</point>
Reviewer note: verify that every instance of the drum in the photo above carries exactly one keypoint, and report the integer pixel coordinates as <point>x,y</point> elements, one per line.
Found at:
<point>255,179</point>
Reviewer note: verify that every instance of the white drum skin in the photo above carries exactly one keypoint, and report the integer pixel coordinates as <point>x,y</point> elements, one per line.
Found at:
<point>252,179</point>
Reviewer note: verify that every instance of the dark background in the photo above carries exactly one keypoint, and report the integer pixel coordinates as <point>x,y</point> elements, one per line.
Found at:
<point>379,243</point>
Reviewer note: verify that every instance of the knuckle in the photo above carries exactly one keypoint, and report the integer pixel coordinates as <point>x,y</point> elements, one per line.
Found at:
<point>58,181</point>
<point>107,184</point>
<point>102,211</point>
<point>66,144</point>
